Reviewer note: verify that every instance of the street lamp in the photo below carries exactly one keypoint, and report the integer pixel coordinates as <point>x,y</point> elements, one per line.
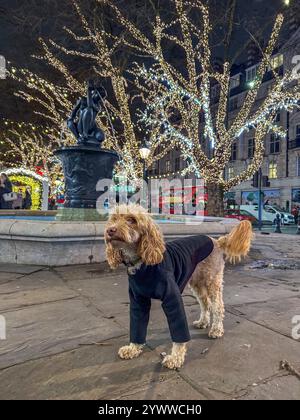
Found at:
<point>144,153</point>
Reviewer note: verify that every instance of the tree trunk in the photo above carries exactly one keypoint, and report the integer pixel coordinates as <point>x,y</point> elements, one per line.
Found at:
<point>215,201</point>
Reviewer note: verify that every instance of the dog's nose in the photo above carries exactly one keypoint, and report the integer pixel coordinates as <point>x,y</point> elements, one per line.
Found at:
<point>111,231</point>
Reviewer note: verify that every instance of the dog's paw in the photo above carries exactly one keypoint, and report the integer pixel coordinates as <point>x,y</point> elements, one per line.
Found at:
<point>216,332</point>
<point>201,324</point>
<point>173,362</point>
<point>130,352</point>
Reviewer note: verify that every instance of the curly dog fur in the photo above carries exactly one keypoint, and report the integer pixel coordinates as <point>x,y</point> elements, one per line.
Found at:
<point>132,237</point>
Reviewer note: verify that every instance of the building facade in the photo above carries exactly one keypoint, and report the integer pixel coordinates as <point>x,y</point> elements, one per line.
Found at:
<point>282,156</point>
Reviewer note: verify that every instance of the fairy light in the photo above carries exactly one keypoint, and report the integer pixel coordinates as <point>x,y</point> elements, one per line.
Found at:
<point>31,146</point>
<point>166,93</point>
<point>173,96</point>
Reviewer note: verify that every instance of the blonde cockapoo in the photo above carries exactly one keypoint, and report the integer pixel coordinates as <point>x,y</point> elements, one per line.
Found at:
<point>159,270</point>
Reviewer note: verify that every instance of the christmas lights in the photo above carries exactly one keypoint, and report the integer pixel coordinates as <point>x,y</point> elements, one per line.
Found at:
<point>32,147</point>
<point>187,97</point>
<point>26,178</point>
<point>176,104</point>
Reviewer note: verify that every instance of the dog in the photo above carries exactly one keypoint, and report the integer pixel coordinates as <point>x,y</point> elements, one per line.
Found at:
<point>159,270</point>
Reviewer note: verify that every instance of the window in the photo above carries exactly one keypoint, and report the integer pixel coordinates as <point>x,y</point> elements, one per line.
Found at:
<point>270,89</point>
<point>233,151</point>
<point>251,73</point>
<point>298,166</point>
<point>272,170</point>
<point>251,148</point>
<point>276,61</point>
<point>234,81</point>
<point>153,169</point>
<point>274,144</point>
<point>230,172</point>
<point>233,103</point>
<point>278,117</point>
<point>177,164</point>
<point>298,130</point>
<point>168,165</point>
<point>215,91</point>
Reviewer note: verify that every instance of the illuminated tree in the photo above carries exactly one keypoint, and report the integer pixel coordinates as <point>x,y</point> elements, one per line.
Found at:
<point>173,95</point>
<point>117,117</point>
<point>29,146</point>
<point>181,106</point>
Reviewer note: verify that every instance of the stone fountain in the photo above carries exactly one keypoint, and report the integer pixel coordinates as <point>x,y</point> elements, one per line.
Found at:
<point>85,163</point>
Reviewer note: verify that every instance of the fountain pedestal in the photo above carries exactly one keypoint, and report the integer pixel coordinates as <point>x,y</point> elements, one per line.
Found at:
<point>83,166</point>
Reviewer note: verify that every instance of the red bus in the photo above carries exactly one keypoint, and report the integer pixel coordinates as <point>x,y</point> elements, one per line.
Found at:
<point>181,197</point>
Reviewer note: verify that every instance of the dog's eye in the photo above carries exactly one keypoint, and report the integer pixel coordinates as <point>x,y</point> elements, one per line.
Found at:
<point>131,220</point>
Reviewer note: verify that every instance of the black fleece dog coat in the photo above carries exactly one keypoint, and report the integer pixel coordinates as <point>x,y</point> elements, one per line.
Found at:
<point>166,281</point>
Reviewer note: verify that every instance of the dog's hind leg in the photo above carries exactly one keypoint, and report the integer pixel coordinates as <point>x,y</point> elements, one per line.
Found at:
<point>204,302</point>
<point>217,309</point>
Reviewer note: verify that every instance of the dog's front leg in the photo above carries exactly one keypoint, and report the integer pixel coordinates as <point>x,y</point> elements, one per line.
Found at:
<point>176,359</point>
<point>131,351</point>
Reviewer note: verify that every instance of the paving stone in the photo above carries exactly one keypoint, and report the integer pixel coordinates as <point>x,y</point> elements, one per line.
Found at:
<point>55,316</point>
<point>93,372</point>
<point>16,299</point>
<point>8,277</point>
<point>278,388</point>
<point>20,268</point>
<point>50,328</point>
<point>247,354</point>
<point>276,315</point>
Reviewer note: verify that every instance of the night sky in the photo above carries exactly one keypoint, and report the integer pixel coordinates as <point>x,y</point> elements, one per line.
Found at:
<point>19,33</point>
<point>22,22</point>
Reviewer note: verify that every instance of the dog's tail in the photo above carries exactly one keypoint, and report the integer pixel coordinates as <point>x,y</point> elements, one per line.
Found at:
<point>237,243</point>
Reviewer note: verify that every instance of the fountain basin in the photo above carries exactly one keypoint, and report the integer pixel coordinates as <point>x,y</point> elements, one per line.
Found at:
<point>57,243</point>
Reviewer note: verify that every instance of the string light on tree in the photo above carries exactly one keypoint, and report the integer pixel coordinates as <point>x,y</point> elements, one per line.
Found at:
<point>177,102</point>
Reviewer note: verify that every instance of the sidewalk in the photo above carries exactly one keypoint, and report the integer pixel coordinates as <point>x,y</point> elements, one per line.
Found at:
<point>65,325</point>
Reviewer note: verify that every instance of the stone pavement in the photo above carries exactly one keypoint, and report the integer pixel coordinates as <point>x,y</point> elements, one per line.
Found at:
<point>65,325</point>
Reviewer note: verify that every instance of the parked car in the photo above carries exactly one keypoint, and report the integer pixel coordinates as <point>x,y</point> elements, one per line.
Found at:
<point>269,213</point>
<point>240,215</point>
<point>267,217</point>
<point>286,217</point>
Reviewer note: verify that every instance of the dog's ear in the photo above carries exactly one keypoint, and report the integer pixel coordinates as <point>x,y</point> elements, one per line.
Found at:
<point>151,246</point>
<point>113,256</point>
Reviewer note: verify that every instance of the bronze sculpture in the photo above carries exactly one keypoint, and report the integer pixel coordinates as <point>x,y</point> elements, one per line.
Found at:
<point>82,121</point>
<point>85,163</point>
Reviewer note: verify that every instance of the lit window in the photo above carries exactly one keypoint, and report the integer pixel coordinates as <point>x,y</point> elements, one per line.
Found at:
<point>230,173</point>
<point>274,144</point>
<point>251,73</point>
<point>272,170</point>
<point>276,61</point>
<point>234,81</point>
